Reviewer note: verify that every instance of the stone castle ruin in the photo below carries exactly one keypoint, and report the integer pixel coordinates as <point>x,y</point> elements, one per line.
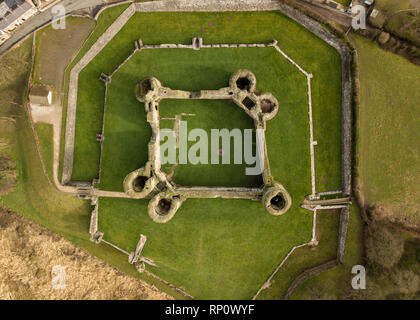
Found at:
<point>149,182</point>
<point>166,197</point>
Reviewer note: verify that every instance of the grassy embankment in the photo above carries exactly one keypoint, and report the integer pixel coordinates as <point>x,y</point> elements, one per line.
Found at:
<point>387,146</point>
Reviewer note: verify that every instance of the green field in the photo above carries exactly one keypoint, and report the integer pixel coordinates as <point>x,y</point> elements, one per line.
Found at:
<point>388,135</point>
<point>334,283</point>
<point>208,242</point>
<point>207,116</point>
<point>33,197</point>
<point>224,248</point>
<point>278,77</point>
<point>212,248</point>
<point>126,118</point>
<point>104,21</point>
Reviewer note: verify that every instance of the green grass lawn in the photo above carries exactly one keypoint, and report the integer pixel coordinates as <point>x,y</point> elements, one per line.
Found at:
<point>402,18</point>
<point>388,135</point>
<point>33,197</point>
<point>126,120</point>
<point>215,249</point>
<point>335,283</point>
<point>273,76</point>
<point>208,114</point>
<point>45,137</point>
<point>104,21</point>
<point>209,242</point>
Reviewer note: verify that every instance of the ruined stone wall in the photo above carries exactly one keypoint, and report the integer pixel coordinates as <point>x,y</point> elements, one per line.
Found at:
<point>346,139</point>
<point>309,273</point>
<point>227,5</point>
<point>73,88</point>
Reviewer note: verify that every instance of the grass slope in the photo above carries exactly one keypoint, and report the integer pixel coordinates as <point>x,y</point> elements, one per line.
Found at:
<point>388,135</point>
<point>45,137</point>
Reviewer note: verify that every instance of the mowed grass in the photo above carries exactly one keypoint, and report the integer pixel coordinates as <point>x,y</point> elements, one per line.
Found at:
<point>208,115</point>
<point>248,27</point>
<point>33,197</point>
<point>388,133</point>
<point>45,137</point>
<point>334,283</point>
<point>126,119</point>
<point>213,248</point>
<point>306,257</point>
<point>105,20</point>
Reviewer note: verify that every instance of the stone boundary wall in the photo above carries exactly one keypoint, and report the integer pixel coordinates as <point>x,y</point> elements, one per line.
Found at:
<point>107,6</point>
<point>184,293</point>
<point>225,5</point>
<point>342,233</point>
<point>102,135</point>
<point>309,273</point>
<point>103,40</point>
<point>346,139</point>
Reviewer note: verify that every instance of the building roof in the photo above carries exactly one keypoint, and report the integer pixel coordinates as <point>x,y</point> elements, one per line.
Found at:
<point>332,4</point>
<point>3,9</point>
<point>17,8</point>
<point>40,94</point>
<point>12,4</point>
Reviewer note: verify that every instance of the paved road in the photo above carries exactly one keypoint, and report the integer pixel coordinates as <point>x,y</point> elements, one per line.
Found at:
<point>44,18</point>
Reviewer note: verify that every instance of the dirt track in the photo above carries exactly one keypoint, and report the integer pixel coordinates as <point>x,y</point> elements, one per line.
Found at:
<point>28,253</point>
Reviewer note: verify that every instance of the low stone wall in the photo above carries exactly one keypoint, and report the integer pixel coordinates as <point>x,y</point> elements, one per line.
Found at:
<point>227,5</point>
<point>309,273</point>
<point>107,6</point>
<point>73,89</point>
<point>346,139</point>
<point>342,233</point>
<point>207,5</point>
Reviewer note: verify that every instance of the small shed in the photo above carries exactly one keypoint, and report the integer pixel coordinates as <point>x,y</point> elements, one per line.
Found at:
<point>40,95</point>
